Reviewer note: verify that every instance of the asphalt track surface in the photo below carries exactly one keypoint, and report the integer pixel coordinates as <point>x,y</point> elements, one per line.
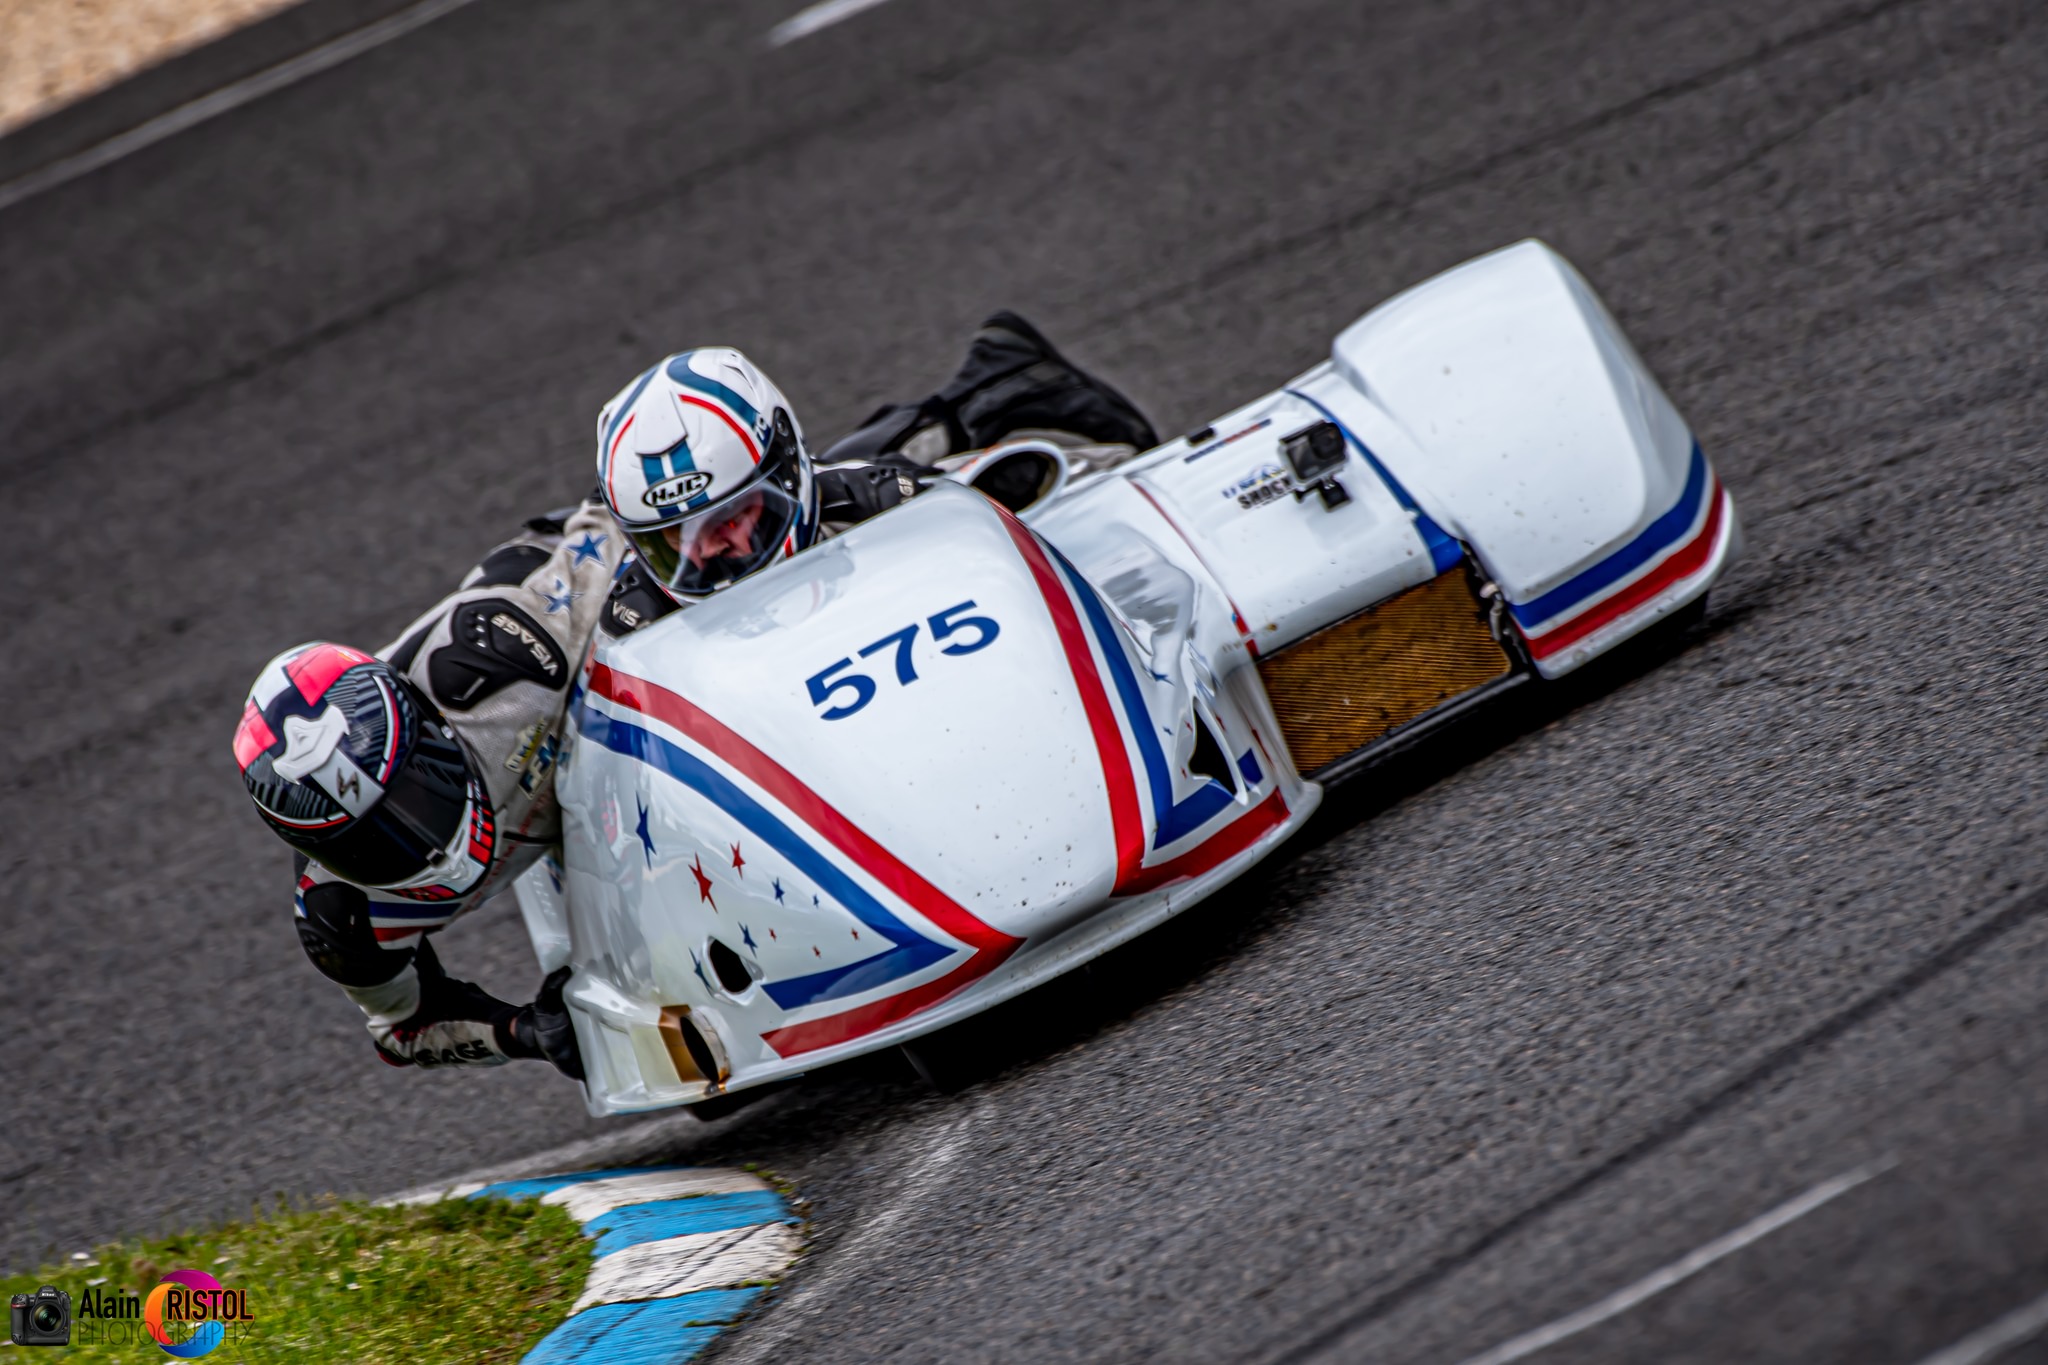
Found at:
<point>1515,1026</point>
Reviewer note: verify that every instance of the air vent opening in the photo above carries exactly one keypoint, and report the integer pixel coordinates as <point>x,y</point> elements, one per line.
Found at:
<point>1209,760</point>
<point>730,969</point>
<point>699,1050</point>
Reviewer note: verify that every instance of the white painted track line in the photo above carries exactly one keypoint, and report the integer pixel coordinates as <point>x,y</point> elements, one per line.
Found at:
<point>2019,1325</point>
<point>228,97</point>
<point>1657,1281</point>
<point>823,15</point>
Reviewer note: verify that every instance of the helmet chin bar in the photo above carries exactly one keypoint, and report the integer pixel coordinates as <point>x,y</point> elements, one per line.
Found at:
<point>453,867</point>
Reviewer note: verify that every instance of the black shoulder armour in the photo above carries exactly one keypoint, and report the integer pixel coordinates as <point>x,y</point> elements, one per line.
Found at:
<point>495,644</point>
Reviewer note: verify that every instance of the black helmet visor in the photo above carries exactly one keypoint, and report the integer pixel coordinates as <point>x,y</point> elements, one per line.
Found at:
<point>417,822</point>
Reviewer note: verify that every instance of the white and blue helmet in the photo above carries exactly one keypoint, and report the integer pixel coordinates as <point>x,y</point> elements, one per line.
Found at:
<point>701,461</point>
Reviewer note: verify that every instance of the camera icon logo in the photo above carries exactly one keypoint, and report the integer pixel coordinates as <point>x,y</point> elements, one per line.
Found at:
<point>40,1319</point>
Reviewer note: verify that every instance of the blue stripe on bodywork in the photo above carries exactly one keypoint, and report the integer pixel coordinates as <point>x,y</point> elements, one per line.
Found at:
<point>1174,820</point>
<point>656,1332</point>
<point>680,371</point>
<point>632,1224</point>
<point>1651,541</point>
<point>1444,552</point>
<point>911,951</point>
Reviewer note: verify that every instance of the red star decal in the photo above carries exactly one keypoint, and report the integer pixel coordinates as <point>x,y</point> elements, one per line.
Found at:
<point>856,933</point>
<point>772,934</point>
<point>703,882</point>
<point>739,864</point>
<point>816,951</point>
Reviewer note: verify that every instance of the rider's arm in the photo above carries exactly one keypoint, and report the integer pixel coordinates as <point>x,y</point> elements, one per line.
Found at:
<point>848,494</point>
<point>499,651</point>
<point>417,1014</point>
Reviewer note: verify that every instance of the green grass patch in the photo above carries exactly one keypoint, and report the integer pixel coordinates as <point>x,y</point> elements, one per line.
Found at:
<point>460,1281</point>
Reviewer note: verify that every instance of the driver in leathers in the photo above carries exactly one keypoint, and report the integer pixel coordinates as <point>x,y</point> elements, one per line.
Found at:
<point>416,783</point>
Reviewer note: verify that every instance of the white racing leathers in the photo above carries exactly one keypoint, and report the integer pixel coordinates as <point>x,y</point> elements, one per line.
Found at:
<point>498,658</point>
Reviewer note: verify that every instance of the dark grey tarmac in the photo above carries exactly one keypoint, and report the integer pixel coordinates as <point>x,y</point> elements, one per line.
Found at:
<point>1515,1025</point>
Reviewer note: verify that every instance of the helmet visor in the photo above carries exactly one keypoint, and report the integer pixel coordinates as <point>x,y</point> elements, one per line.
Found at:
<point>722,543</point>
<point>425,808</point>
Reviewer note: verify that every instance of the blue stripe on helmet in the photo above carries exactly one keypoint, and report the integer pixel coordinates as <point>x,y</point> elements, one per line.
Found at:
<point>680,371</point>
<point>623,410</point>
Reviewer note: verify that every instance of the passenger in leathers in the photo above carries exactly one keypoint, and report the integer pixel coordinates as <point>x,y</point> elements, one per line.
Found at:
<point>496,659</point>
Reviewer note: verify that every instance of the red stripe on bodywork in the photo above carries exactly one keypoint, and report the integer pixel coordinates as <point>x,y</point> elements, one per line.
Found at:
<point>746,437</point>
<point>991,945</point>
<point>1682,564</point>
<point>1233,839</point>
<point>390,935</point>
<point>865,1019</point>
<point>253,737</point>
<point>813,809</point>
<point>1125,817</point>
<point>314,670</point>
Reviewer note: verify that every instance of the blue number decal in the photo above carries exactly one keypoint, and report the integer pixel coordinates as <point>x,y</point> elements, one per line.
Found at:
<point>823,685</point>
<point>942,627</point>
<point>902,638</point>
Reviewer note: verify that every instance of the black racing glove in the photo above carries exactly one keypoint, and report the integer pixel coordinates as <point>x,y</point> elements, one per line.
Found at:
<point>454,1024</point>
<point>543,1029</point>
<point>855,494</point>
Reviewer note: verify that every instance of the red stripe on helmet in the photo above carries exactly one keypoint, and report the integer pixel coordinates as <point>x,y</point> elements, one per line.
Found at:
<point>315,668</point>
<point>611,460</point>
<point>483,831</point>
<point>738,429</point>
<point>253,737</point>
<point>391,726</point>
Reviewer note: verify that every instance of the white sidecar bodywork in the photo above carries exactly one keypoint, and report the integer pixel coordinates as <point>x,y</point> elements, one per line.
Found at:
<point>947,755</point>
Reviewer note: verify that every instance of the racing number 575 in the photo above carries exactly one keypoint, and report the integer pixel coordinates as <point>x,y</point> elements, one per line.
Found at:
<point>979,631</point>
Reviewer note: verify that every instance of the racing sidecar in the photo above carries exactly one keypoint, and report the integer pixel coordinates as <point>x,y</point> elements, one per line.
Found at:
<point>956,751</point>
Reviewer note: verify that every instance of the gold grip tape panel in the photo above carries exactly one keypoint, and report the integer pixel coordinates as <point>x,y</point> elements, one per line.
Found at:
<point>1351,683</point>
<point>678,1051</point>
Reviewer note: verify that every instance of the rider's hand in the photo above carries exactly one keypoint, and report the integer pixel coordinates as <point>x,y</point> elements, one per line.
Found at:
<point>454,1023</point>
<point>543,1029</point>
<point>855,494</point>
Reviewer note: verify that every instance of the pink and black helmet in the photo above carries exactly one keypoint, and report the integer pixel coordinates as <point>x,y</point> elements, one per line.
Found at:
<point>350,764</point>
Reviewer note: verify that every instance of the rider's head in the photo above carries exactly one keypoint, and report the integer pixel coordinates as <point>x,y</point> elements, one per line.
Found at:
<point>350,764</point>
<point>703,464</point>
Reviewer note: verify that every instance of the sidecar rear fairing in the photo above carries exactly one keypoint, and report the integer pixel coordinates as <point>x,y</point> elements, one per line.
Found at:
<point>889,782</point>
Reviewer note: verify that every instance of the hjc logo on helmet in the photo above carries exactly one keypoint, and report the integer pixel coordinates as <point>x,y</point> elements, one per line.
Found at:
<point>680,488</point>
